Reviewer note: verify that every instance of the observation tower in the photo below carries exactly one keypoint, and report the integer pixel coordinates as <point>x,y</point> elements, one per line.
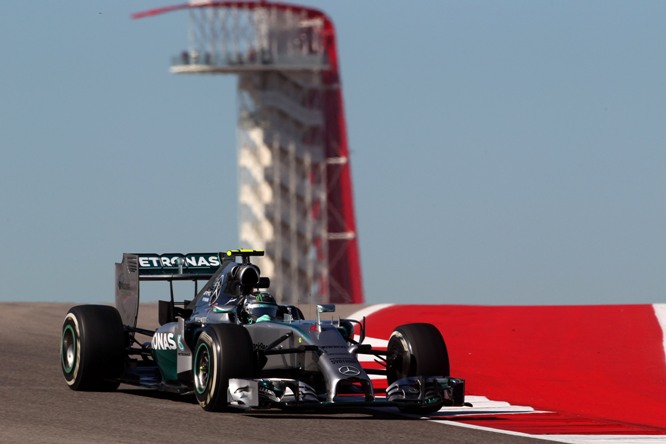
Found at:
<point>295,185</point>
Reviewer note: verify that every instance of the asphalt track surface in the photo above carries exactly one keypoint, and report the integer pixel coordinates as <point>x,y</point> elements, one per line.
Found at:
<point>36,406</point>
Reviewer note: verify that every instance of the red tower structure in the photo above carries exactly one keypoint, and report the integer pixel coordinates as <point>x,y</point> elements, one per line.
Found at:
<point>295,190</point>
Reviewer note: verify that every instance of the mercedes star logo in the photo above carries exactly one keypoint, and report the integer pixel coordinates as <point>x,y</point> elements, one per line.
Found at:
<point>349,370</point>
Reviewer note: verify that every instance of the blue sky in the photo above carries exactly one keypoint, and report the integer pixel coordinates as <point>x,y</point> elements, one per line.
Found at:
<point>502,152</point>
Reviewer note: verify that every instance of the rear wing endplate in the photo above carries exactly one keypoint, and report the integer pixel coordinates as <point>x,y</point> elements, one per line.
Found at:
<point>136,267</point>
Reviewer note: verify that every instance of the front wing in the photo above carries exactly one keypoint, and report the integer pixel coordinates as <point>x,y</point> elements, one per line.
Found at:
<point>418,391</point>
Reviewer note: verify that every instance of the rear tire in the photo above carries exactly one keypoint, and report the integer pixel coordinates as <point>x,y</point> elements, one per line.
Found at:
<point>223,351</point>
<point>417,350</point>
<point>92,348</point>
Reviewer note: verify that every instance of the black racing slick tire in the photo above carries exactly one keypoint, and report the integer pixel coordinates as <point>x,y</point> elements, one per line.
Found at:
<point>223,351</point>
<point>92,348</point>
<point>416,350</point>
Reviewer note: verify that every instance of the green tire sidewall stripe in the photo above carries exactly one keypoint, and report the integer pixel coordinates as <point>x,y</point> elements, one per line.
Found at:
<point>196,370</point>
<point>68,369</point>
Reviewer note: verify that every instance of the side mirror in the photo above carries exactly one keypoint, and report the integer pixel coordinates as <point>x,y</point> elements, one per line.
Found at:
<point>323,308</point>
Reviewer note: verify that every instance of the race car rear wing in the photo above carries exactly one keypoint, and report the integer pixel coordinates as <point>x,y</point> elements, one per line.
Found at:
<point>176,266</point>
<point>136,267</point>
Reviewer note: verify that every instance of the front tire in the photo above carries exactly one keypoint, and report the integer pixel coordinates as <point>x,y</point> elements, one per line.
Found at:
<point>223,351</point>
<point>417,350</point>
<point>92,348</point>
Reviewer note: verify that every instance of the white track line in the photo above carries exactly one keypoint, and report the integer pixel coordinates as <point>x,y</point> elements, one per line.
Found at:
<point>605,439</point>
<point>570,439</point>
<point>482,405</point>
<point>660,313</point>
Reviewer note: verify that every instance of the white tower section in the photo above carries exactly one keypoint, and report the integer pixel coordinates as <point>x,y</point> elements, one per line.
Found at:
<point>282,174</point>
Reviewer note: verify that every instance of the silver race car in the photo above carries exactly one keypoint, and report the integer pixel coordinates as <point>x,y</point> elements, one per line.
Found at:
<point>233,346</point>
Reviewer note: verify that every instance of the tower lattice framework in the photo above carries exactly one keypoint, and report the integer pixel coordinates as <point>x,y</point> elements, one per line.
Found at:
<point>295,187</point>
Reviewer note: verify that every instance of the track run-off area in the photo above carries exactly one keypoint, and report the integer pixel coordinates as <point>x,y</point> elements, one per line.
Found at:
<point>577,374</point>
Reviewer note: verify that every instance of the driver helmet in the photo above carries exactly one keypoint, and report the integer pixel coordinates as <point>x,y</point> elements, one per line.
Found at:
<point>260,307</point>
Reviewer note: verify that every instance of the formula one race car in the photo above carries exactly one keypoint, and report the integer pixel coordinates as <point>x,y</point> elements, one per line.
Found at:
<point>234,346</point>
